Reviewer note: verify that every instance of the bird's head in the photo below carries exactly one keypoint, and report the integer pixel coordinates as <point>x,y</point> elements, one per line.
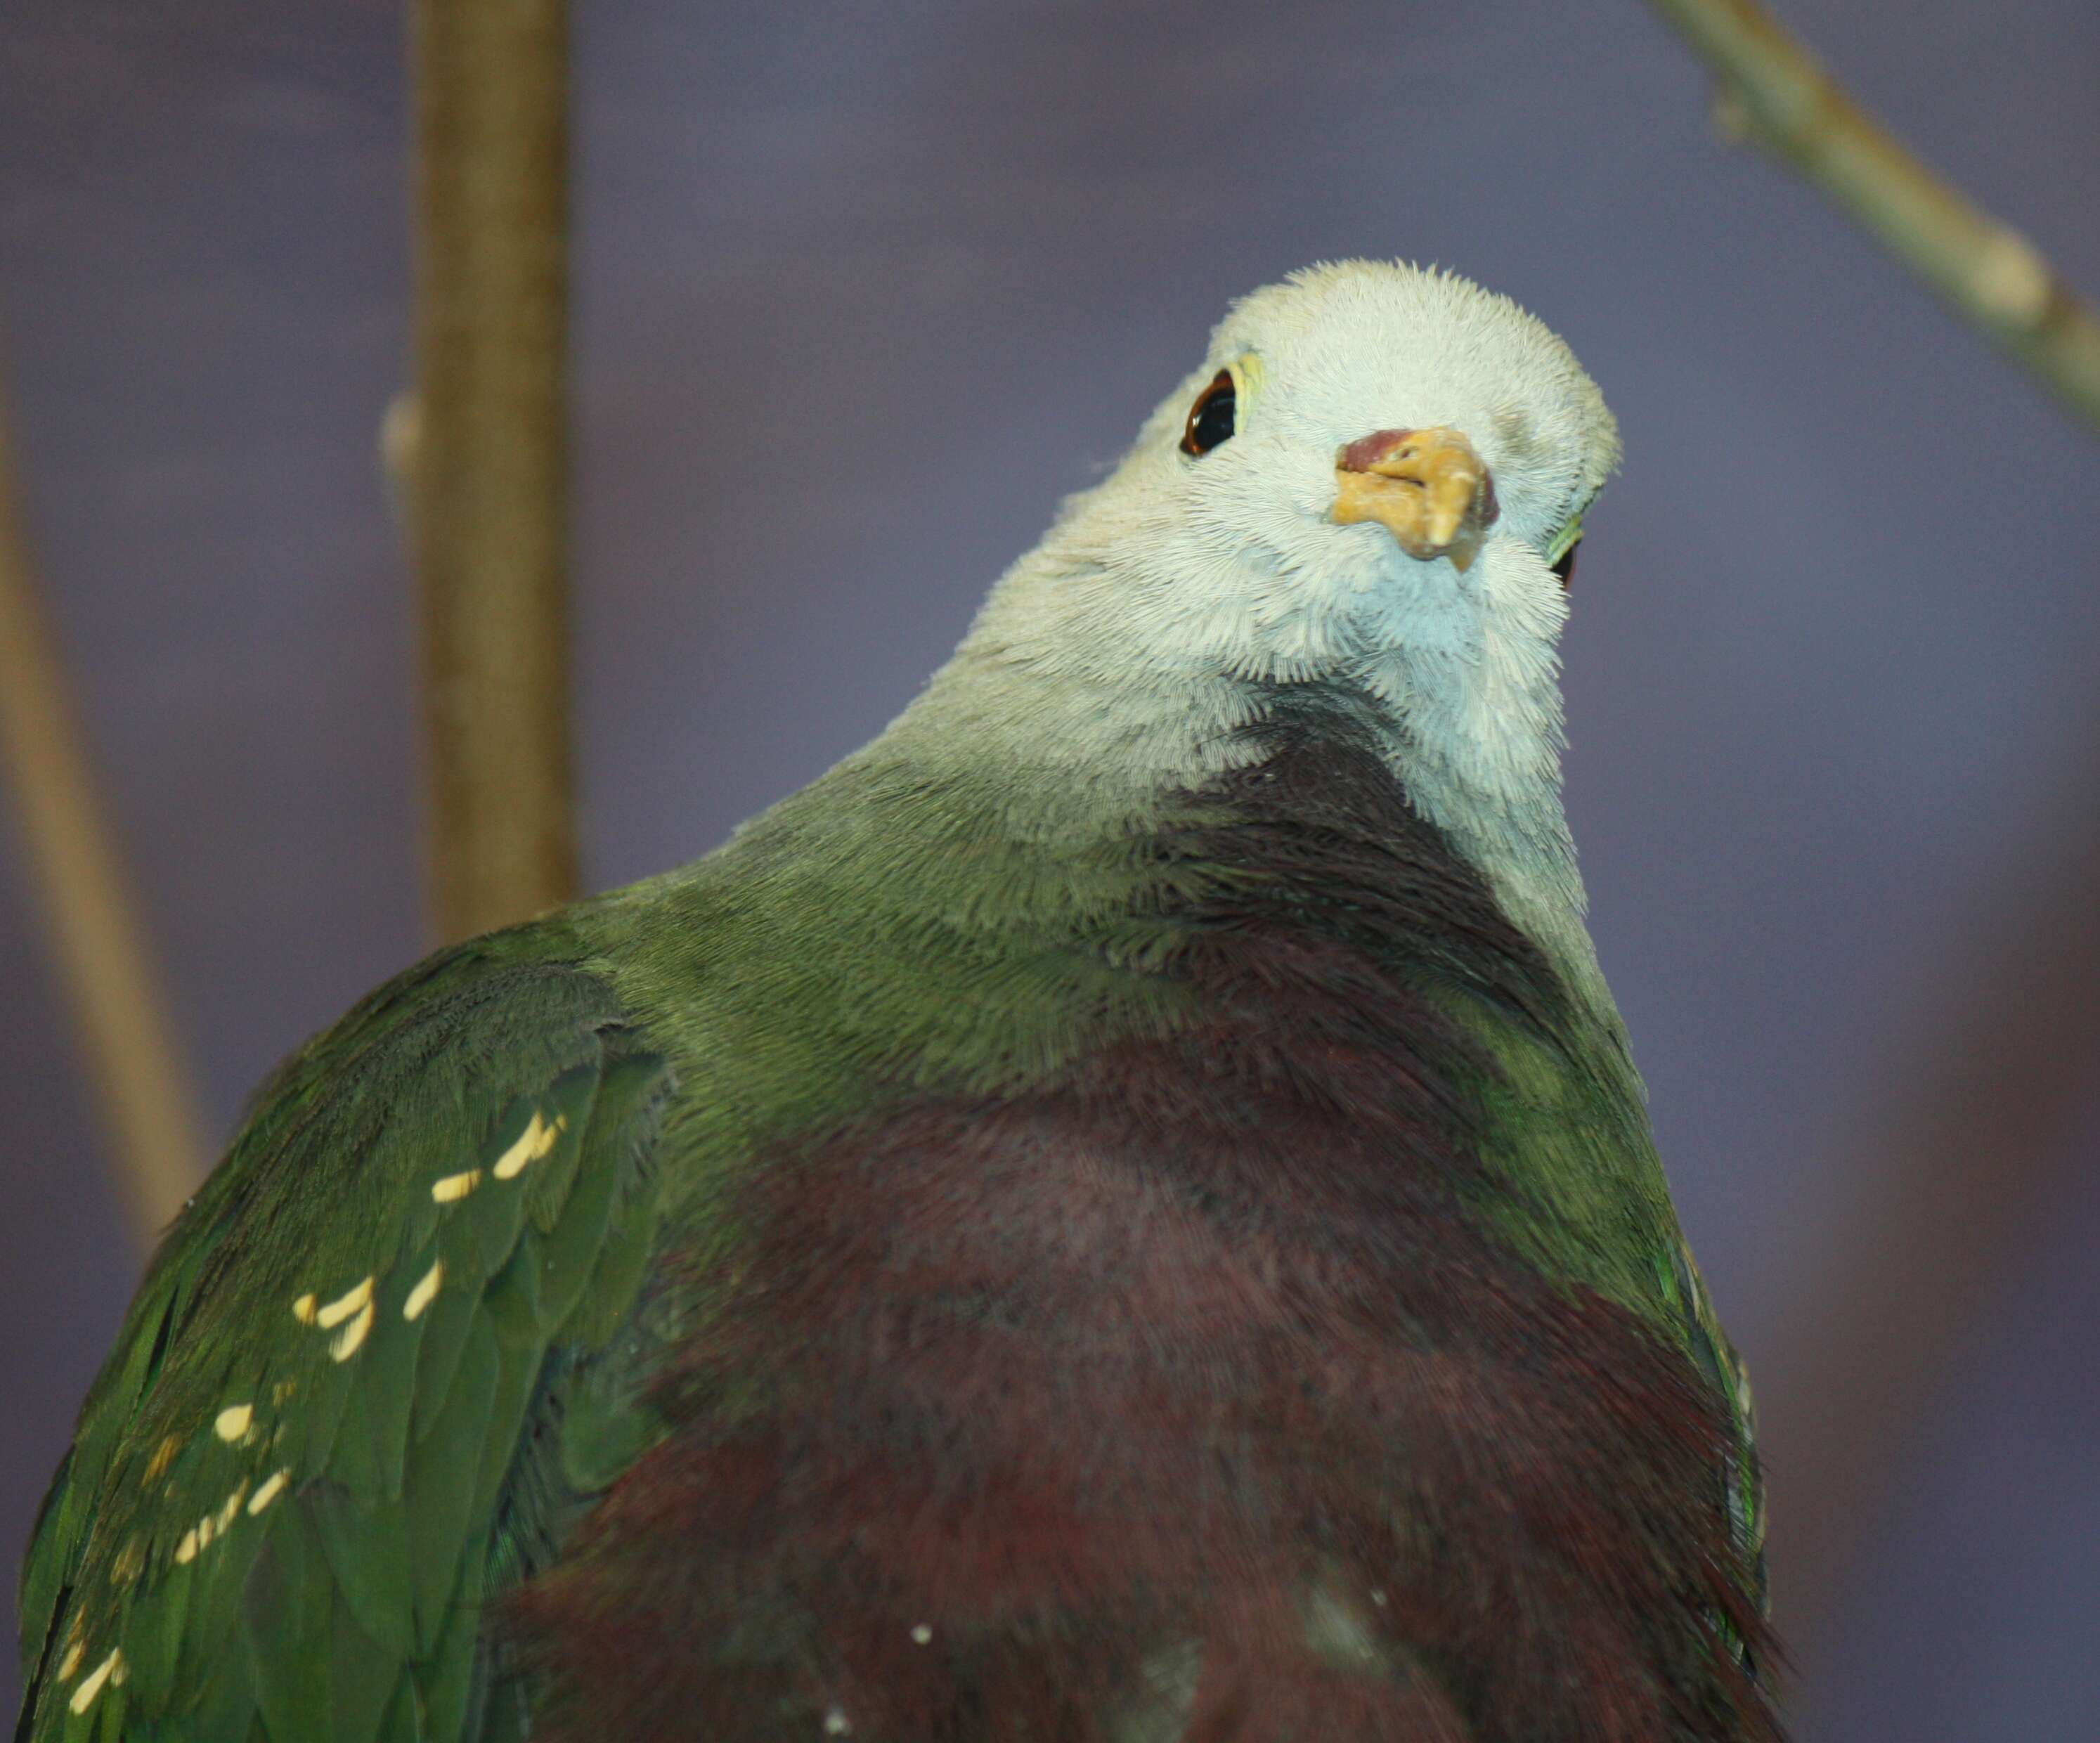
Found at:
<point>1369,457</point>
<point>1370,485</point>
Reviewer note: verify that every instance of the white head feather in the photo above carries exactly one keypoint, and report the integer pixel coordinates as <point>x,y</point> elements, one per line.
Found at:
<point>1166,604</point>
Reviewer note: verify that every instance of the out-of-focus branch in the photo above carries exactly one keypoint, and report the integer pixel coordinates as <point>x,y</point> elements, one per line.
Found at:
<point>101,944</point>
<point>489,463</point>
<point>1774,94</point>
<point>1956,1155</point>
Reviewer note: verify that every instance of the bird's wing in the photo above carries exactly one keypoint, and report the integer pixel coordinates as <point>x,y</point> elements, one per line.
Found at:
<point>1742,1478</point>
<point>383,1358</point>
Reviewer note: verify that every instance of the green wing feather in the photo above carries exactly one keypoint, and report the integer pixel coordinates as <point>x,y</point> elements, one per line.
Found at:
<point>307,1462</point>
<point>1742,1481</point>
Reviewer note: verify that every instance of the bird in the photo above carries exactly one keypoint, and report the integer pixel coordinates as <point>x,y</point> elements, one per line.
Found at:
<point>1124,1211</point>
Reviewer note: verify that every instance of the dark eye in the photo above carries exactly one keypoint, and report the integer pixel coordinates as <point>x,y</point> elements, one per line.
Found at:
<point>1563,565</point>
<point>1211,417</point>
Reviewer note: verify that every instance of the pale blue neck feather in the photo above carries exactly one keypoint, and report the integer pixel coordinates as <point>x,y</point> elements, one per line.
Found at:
<point>1055,685</point>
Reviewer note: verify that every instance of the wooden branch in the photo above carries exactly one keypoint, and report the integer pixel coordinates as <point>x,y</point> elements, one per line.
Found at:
<point>1774,94</point>
<point>488,455</point>
<point>101,944</point>
<point>1957,1153</point>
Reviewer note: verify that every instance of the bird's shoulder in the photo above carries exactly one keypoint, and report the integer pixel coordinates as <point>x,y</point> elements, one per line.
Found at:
<point>318,1441</point>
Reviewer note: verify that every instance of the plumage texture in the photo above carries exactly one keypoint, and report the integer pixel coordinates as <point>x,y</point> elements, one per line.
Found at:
<point>1122,1212</point>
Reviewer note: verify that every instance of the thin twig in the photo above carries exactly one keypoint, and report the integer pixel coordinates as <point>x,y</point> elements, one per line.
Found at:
<point>99,942</point>
<point>1775,95</point>
<point>489,500</point>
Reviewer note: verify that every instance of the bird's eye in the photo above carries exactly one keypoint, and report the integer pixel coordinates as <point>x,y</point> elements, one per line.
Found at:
<point>1212,418</point>
<point>1563,565</point>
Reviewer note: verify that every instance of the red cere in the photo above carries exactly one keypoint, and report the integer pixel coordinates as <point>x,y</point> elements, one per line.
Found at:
<point>1366,452</point>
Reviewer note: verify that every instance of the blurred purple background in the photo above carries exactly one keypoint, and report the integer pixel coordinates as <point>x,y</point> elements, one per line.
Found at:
<point>1835,632</point>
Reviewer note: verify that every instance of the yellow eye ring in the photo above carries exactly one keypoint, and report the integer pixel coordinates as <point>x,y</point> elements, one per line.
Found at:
<point>1560,553</point>
<point>1565,541</point>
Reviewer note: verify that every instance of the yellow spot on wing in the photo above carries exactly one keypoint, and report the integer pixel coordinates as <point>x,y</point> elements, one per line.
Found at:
<point>164,1455</point>
<point>354,1333</point>
<point>71,1662</point>
<point>234,1421</point>
<point>425,1292</point>
<point>231,1511</point>
<point>349,1302</point>
<point>270,1488</point>
<point>83,1698</point>
<point>454,1187</point>
<point>186,1551</point>
<point>302,1309</point>
<point>531,1144</point>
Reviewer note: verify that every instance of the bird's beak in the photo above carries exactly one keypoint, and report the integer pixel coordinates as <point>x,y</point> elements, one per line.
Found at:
<point>1429,488</point>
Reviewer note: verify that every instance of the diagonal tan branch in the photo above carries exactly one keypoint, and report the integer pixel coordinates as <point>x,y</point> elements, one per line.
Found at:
<point>95,924</point>
<point>488,496</point>
<point>1774,94</point>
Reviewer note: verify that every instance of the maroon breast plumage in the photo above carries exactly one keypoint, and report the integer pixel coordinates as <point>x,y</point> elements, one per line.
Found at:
<point>1189,1394</point>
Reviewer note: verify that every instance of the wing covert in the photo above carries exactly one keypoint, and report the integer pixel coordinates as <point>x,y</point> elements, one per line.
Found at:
<point>316,1447</point>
